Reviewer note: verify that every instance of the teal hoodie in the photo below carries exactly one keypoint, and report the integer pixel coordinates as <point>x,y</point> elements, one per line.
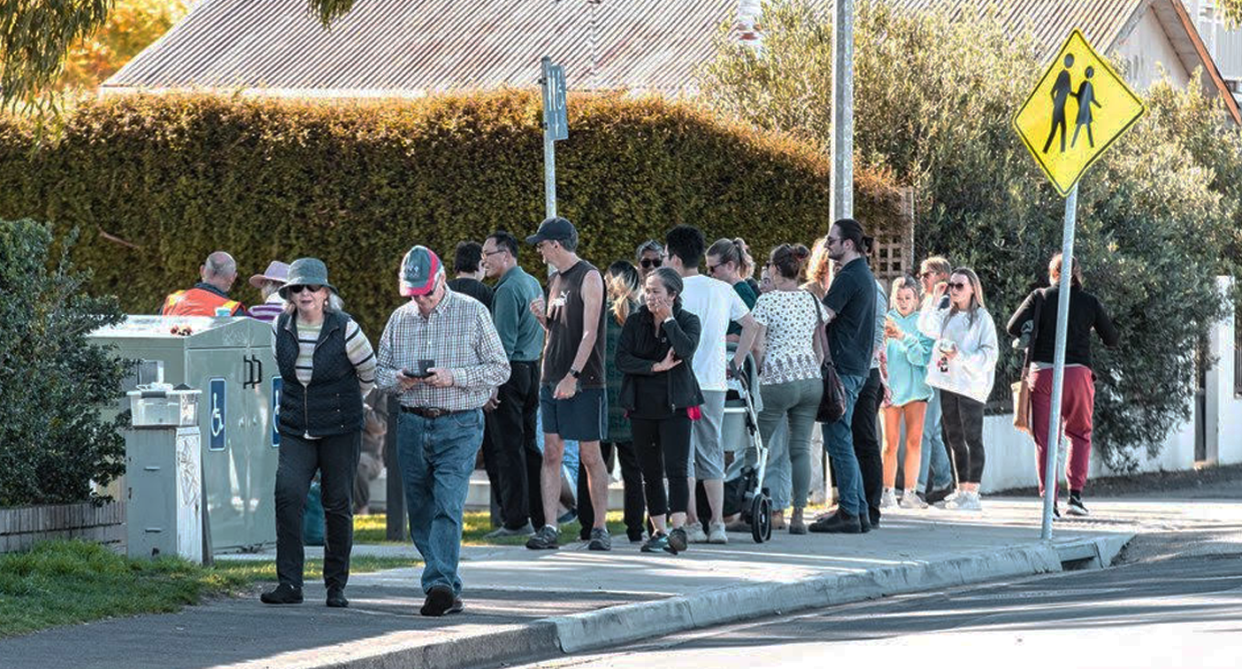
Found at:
<point>907,361</point>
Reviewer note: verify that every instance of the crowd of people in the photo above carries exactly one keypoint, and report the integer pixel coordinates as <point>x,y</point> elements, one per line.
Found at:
<point>633,365</point>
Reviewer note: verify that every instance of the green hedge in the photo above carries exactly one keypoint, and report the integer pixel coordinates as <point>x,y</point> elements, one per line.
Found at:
<point>156,182</point>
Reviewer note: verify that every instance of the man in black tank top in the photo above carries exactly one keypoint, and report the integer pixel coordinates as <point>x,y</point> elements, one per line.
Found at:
<point>572,397</point>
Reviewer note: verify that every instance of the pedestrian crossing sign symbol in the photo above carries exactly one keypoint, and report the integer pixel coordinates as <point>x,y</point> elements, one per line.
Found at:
<point>1078,109</point>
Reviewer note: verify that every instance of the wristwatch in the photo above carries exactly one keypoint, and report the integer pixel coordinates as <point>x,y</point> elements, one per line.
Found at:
<point>575,372</point>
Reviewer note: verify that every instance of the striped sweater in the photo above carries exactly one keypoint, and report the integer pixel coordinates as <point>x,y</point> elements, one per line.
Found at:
<point>357,348</point>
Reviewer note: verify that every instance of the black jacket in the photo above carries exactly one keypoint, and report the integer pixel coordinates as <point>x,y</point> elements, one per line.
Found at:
<point>332,403</point>
<point>640,349</point>
<point>1085,312</point>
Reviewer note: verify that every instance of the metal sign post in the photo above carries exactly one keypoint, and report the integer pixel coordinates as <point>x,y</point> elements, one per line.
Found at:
<point>1058,363</point>
<point>555,126</point>
<point>1079,107</point>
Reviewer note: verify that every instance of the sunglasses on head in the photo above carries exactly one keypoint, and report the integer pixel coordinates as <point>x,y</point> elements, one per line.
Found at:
<point>297,289</point>
<point>648,263</point>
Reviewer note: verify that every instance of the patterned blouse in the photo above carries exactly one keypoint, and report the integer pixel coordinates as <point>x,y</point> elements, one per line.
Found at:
<point>791,317</point>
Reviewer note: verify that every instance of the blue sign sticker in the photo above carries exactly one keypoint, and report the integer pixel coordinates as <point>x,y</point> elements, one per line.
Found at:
<point>277,384</point>
<point>217,427</point>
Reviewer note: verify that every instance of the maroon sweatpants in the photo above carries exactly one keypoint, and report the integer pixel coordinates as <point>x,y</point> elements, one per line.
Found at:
<point>1077,405</point>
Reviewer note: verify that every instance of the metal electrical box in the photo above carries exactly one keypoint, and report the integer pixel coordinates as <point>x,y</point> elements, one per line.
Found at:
<point>163,466</point>
<point>230,360</point>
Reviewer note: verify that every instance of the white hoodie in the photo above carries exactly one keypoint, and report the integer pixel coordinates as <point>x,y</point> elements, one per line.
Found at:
<point>972,371</point>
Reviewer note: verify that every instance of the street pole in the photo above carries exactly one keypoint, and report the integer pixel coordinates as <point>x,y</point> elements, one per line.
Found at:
<point>549,148</point>
<point>842,179</point>
<point>1058,362</point>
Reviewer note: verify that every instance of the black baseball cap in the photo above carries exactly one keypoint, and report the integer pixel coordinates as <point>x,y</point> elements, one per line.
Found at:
<point>555,229</point>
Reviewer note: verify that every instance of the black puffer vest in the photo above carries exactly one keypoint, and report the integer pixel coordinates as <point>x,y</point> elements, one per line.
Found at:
<point>332,403</point>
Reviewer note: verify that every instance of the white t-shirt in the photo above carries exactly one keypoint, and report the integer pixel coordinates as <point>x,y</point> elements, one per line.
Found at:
<point>716,304</point>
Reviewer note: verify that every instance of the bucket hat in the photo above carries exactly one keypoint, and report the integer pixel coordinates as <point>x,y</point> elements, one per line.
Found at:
<point>276,271</point>
<point>307,272</point>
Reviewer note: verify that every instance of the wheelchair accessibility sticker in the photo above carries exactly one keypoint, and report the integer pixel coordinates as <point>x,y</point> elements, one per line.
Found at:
<point>215,405</point>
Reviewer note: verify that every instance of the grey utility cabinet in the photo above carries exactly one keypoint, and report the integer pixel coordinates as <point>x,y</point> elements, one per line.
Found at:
<point>230,360</point>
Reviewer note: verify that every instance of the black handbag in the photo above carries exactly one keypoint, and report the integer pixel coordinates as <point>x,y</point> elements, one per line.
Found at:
<point>832,402</point>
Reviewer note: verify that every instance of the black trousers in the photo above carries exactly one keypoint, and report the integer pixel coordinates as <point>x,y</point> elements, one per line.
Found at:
<point>663,448</point>
<point>336,460</point>
<point>631,476</point>
<point>866,431</point>
<point>963,427</point>
<point>511,455</point>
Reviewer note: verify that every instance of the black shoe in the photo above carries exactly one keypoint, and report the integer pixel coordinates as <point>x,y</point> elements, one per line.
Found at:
<point>864,523</point>
<point>635,536</point>
<point>283,594</point>
<point>441,602</point>
<point>874,516</point>
<point>545,539</point>
<point>336,598</point>
<point>934,496</point>
<point>838,523</point>
<point>1075,507</point>
<point>678,540</point>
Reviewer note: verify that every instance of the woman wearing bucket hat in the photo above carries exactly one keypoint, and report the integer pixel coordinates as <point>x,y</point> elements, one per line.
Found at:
<point>268,284</point>
<point>326,367</point>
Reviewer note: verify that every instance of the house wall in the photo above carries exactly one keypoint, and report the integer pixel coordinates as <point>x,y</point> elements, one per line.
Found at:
<point>1146,50</point>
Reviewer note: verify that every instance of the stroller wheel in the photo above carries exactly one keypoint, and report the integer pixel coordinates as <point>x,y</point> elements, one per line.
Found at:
<point>761,518</point>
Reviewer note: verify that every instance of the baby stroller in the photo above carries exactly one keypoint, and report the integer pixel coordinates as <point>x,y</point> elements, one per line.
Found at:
<point>743,487</point>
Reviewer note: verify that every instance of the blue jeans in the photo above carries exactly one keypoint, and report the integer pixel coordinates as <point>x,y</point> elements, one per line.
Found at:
<point>436,456</point>
<point>839,442</point>
<point>933,452</point>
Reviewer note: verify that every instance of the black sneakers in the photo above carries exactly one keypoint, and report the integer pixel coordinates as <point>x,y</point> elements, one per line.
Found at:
<point>838,523</point>
<point>545,539</point>
<point>1075,507</point>
<point>441,601</point>
<point>336,598</point>
<point>678,540</point>
<point>283,594</point>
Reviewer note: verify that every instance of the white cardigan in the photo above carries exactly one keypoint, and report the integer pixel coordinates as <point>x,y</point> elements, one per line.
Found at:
<point>972,371</point>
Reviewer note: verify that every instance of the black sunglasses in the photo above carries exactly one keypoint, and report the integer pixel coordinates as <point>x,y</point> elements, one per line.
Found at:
<point>297,289</point>
<point>958,285</point>
<point>648,263</point>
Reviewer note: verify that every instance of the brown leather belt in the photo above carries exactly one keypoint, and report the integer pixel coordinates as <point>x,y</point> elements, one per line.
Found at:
<point>428,413</point>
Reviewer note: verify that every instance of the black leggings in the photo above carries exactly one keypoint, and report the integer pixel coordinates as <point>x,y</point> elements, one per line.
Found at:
<point>664,450</point>
<point>963,430</point>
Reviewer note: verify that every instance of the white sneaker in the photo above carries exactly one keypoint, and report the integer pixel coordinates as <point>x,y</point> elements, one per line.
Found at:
<point>910,500</point>
<point>889,499</point>
<point>966,501</point>
<point>695,533</point>
<point>717,534</point>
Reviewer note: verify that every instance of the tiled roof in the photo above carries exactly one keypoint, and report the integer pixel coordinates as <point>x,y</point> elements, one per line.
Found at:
<point>413,47</point>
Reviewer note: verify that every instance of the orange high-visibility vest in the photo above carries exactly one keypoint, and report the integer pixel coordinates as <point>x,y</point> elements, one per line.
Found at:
<point>197,302</point>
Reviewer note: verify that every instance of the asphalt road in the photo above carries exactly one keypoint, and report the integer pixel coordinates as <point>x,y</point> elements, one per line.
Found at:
<point>1157,612</point>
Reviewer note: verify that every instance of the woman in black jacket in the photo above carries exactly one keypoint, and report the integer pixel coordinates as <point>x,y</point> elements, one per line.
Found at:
<point>326,366</point>
<point>1078,392</point>
<point>659,392</point>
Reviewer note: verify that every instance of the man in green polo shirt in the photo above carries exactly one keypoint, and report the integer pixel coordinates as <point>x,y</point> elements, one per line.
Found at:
<point>512,423</point>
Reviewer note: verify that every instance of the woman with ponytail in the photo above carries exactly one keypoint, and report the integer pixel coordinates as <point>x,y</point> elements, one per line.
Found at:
<point>790,354</point>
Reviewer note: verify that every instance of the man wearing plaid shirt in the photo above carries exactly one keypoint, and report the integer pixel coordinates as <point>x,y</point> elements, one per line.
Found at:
<point>440,353</point>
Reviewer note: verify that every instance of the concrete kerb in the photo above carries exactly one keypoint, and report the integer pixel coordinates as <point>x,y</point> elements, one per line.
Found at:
<point>631,622</point>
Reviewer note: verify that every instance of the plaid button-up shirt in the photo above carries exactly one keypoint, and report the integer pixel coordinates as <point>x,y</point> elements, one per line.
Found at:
<point>457,335</point>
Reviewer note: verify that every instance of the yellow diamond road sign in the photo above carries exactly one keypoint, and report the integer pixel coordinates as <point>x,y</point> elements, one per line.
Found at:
<point>1078,109</point>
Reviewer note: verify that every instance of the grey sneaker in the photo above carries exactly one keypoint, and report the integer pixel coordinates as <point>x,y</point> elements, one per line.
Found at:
<point>600,540</point>
<point>677,539</point>
<point>695,533</point>
<point>545,539</point>
<point>717,534</point>
<point>502,532</point>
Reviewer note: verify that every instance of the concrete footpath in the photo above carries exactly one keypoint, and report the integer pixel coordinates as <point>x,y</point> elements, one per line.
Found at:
<point>522,604</point>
